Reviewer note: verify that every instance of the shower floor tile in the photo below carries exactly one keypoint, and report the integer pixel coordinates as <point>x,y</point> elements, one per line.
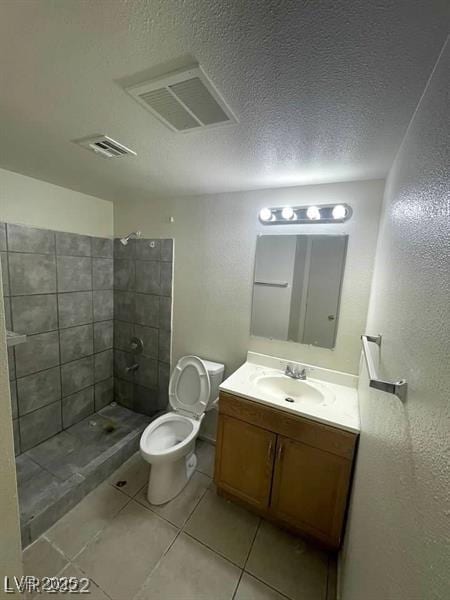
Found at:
<point>57,474</point>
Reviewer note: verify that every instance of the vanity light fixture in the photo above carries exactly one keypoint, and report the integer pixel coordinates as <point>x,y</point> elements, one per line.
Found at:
<point>300,215</point>
<point>265,214</point>
<point>313,213</point>
<point>288,213</point>
<point>339,211</point>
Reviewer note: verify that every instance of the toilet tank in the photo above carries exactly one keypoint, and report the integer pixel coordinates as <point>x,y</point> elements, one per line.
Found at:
<point>215,371</point>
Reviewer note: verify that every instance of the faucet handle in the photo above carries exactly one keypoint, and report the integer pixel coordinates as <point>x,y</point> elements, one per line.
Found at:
<point>288,370</point>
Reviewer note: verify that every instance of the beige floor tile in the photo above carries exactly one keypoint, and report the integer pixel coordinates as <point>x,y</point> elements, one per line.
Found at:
<point>124,554</point>
<point>252,589</point>
<point>95,593</point>
<point>41,559</point>
<point>178,510</point>
<point>190,571</point>
<point>73,531</point>
<point>205,457</point>
<point>223,526</point>
<point>288,564</point>
<point>131,476</point>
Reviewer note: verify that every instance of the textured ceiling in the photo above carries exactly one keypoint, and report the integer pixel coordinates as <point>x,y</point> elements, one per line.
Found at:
<point>324,90</point>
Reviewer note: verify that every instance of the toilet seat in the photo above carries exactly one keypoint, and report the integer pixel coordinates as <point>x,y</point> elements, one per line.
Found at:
<point>189,387</point>
<point>166,437</point>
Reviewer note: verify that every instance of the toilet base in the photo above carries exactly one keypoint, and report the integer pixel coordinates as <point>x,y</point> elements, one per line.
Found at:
<point>168,479</point>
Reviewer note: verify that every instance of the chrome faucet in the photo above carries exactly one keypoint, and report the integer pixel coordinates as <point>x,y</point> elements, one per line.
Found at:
<point>295,373</point>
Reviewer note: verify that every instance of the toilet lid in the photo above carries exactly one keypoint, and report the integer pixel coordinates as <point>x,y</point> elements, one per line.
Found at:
<point>189,387</point>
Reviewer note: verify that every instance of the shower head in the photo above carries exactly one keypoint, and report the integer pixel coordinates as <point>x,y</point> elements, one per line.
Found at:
<point>133,234</point>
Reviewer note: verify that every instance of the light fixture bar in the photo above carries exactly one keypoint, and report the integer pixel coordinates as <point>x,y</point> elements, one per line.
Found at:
<point>302,215</point>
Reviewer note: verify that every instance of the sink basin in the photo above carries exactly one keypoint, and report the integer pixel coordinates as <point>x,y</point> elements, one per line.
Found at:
<point>294,391</point>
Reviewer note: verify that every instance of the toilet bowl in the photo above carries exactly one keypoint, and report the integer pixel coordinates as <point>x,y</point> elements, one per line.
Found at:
<point>168,442</point>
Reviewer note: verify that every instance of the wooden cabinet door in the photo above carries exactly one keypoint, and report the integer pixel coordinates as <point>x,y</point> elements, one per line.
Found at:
<point>310,489</point>
<point>244,460</point>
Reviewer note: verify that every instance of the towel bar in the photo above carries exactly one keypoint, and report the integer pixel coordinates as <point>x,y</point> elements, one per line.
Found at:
<point>398,388</point>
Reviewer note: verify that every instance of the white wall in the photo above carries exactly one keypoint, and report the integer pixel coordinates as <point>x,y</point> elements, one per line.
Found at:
<point>32,202</point>
<point>215,239</point>
<point>397,545</point>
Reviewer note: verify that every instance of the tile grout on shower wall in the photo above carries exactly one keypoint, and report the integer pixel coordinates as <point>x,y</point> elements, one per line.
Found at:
<point>143,271</point>
<point>51,290</point>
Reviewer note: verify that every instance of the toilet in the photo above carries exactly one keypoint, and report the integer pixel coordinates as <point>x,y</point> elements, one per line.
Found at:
<point>168,442</point>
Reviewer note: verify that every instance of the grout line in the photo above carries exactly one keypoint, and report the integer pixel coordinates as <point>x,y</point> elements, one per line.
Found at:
<point>247,557</point>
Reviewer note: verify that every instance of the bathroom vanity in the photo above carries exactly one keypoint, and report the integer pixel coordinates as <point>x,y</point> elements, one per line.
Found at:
<point>286,447</point>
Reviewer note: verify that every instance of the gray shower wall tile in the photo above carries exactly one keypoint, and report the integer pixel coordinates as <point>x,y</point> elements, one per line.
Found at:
<point>13,394</point>
<point>148,274</point>
<point>146,400</point>
<point>123,392</point>
<point>104,393</point>
<point>2,236</point>
<point>38,390</point>
<point>122,360</point>
<point>123,332</point>
<point>167,250</point>
<point>74,273</point>
<point>72,244</point>
<point>102,273</point>
<point>7,306</point>
<point>5,274</point>
<point>29,239</point>
<point>124,251</point>
<point>165,313</point>
<point>124,274</point>
<point>76,342</point>
<point>163,383</point>
<point>34,314</point>
<point>77,375</point>
<point>149,337</point>
<point>16,434</point>
<point>166,279</point>
<point>11,364</point>
<point>39,425</point>
<point>103,365</point>
<point>147,310</point>
<point>103,305</point>
<point>148,249</point>
<point>40,352</point>
<point>32,274</point>
<point>103,335</point>
<point>147,373</point>
<point>102,247</point>
<point>77,407</point>
<point>75,308</point>
<point>124,306</point>
<point>164,345</point>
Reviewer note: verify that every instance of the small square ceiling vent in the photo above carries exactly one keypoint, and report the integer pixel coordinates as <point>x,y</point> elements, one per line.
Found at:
<point>184,100</point>
<point>105,146</point>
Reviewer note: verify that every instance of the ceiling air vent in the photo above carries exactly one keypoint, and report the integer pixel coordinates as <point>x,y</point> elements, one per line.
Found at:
<point>105,146</point>
<point>184,100</point>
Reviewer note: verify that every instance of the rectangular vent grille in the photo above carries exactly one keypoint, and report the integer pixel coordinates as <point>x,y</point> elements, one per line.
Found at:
<point>105,146</point>
<point>184,101</point>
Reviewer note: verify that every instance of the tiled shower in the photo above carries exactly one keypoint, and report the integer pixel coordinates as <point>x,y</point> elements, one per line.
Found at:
<point>80,300</point>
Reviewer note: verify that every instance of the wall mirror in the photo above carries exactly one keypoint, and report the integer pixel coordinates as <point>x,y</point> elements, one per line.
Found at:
<point>297,287</point>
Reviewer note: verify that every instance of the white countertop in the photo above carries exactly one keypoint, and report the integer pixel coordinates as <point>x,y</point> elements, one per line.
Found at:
<point>340,409</point>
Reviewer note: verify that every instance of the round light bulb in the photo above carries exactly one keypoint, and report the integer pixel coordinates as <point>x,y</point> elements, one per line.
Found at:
<point>265,214</point>
<point>339,212</point>
<point>287,213</point>
<point>313,213</point>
